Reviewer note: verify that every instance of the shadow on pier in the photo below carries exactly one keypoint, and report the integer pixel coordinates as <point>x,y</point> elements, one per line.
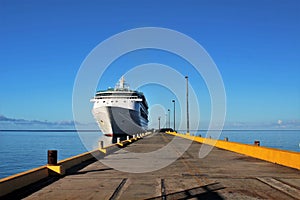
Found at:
<point>204,192</point>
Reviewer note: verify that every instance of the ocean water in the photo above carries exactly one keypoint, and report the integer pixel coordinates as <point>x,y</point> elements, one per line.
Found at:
<point>21,151</point>
<point>286,140</point>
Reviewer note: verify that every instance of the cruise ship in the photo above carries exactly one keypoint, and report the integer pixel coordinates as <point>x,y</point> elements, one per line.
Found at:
<point>120,111</point>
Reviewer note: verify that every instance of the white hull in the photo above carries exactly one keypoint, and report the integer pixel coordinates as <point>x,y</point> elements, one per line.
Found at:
<point>115,121</point>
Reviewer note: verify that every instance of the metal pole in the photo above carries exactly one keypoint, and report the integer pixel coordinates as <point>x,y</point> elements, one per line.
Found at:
<point>169,118</point>
<point>158,123</point>
<point>166,124</point>
<point>187,105</point>
<point>101,144</point>
<point>174,114</point>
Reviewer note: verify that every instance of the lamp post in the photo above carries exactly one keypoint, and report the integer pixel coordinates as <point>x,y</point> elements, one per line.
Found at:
<point>187,105</point>
<point>158,123</point>
<point>169,118</point>
<point>174,114</point>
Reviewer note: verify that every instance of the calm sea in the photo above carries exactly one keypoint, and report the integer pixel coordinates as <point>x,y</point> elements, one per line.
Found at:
<point>21,151</point>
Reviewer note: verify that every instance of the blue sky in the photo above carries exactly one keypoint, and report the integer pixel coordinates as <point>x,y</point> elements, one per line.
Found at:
<point>255,45</point>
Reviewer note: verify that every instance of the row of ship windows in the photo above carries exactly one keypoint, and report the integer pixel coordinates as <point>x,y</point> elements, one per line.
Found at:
<point>113,101</point>
<point>116,97</point>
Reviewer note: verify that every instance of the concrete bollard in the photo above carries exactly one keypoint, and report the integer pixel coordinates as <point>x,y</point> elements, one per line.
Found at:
<point>257,143</point>
<point>118,140</point>
<point>226,139</point>
<point>101,144</point>
<point>127,137</point>
<point>52,157</point>
<point>133,136</point>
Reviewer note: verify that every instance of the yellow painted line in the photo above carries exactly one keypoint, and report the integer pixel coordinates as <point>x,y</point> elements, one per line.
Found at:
<point>22,173</point>
<point>103,150</point>
<point>120,144</point>
<point>282,157</point>
<point>57,169</point>
<point>20,180</point>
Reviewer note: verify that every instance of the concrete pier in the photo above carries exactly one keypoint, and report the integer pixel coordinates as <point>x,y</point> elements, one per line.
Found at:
<point>220,175</point>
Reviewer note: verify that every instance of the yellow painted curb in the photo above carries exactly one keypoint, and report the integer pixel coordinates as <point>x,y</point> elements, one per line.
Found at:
<point>57,169</point>
<point>120,144</point>
<point>282,157</point>
<point>103,150</point>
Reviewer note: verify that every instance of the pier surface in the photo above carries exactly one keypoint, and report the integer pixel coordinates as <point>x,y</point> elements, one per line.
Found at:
<point>220,175</point>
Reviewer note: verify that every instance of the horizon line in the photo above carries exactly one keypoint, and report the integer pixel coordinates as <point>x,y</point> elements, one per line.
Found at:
<point>94,130</point>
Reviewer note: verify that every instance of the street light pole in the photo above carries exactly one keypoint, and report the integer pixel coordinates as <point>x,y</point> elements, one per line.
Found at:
<point>174,113</point>
<point>187,105</point>
<point>166,122</point>
<point>169,126</point>
<point>158,123</point>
